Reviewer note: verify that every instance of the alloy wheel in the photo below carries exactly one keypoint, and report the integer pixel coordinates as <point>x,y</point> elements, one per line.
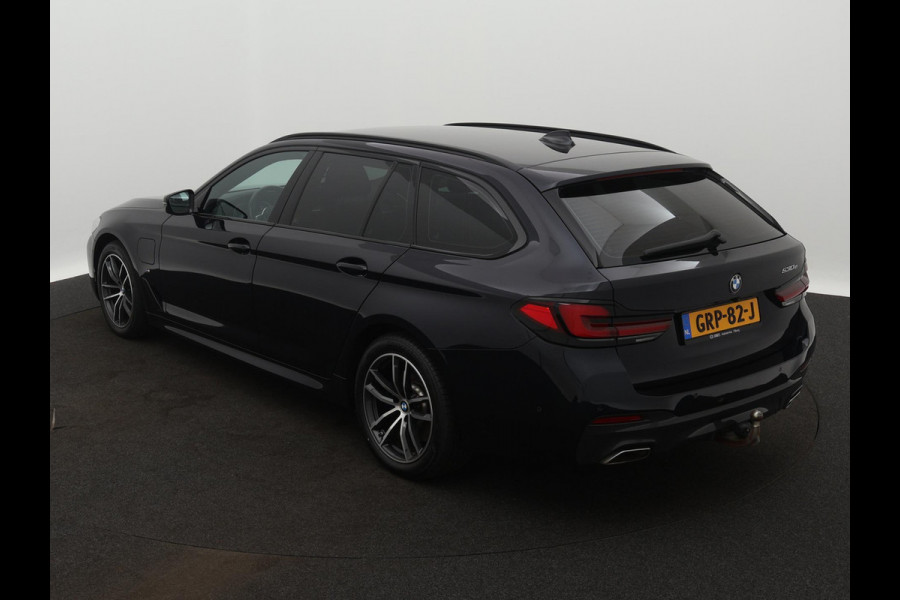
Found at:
<point>397,408</point>
<point>115,289</point>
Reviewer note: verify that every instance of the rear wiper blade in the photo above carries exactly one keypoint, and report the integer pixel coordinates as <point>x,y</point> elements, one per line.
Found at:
<point>711,239</point>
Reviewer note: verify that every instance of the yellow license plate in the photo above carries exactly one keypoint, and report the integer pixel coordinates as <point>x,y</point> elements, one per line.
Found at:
<point>724,317</point>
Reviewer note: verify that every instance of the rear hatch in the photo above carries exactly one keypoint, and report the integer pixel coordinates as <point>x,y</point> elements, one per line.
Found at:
<point>686,246</point>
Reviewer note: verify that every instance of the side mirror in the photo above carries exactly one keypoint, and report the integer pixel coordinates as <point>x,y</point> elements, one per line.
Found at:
<point>180,203</point>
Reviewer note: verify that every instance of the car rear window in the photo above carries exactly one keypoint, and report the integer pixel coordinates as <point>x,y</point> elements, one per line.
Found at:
<point>629,219</point>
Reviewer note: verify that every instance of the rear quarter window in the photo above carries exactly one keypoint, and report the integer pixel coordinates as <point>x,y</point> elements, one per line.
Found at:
<point>626,217</point>
<point>458,215</point>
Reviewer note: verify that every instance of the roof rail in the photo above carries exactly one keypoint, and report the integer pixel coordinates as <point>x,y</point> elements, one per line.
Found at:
<point>590,135</point>
<point>399,140</point>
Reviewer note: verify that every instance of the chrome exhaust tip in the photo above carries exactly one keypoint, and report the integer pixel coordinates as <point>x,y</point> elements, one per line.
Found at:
<point>626,456</point>
<point>793,397</point>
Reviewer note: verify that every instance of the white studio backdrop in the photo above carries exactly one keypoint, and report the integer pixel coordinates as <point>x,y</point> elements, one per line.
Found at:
<point>151,97</point>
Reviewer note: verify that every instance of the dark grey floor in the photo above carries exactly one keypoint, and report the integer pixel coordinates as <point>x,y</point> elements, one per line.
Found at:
<point>177,473</point>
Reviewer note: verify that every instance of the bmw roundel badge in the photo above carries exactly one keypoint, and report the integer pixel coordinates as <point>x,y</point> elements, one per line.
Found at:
<point>735,283</point>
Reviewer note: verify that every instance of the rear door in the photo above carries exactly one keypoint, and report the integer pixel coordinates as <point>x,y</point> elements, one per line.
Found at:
<point>352,219</point>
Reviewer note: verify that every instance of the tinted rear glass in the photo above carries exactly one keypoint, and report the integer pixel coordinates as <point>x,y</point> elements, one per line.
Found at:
<point>626,217</point>
<point>341,193</point>
<point>458,215</point>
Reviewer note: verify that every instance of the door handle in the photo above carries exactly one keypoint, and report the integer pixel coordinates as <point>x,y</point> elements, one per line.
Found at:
<point>239,245</point>
<point>352,266</point>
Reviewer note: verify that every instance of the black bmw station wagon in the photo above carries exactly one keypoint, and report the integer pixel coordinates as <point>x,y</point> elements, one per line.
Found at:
<point>479,284</point>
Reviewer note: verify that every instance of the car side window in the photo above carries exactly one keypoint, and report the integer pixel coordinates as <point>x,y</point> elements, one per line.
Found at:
<point>251,190</point>
<point>357,196</point>
<point>458,215</point>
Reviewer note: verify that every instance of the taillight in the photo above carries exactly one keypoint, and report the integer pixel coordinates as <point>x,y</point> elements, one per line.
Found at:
<point>565,321</point>
<point>793,291</point>
<point>540,313</point>
<point>587,320</point>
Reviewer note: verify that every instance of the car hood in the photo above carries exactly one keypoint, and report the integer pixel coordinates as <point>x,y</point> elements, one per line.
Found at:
<point>151,203</point>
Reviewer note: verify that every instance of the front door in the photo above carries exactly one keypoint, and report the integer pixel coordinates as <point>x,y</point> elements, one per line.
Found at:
<point>207,257</point>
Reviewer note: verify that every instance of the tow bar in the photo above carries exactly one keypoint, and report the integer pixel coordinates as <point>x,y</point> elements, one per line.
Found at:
<point>743,434</point>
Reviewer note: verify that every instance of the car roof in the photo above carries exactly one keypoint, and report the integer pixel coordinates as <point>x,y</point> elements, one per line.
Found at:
<point>547,156</point>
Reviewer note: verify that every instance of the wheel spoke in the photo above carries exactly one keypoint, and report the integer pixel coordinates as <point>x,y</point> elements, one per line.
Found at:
<point>126,305</point>
<point>109,269</point>
<point>420,416</point>
<point>398,389</point>
<point>389,430</point>
<point>117,311</point>
<point>381,397</point>
<point>403,388</point>
<point>403,432</point>
<point>382,418</point>
<point>385,386</point>
<point>410,430</point>
<point>111,296</point>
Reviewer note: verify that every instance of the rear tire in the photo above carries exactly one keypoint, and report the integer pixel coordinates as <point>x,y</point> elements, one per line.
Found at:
<point>120,293</point>
<point>404,409</point>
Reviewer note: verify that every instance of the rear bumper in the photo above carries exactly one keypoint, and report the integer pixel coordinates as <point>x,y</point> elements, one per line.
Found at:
<point>548,395</point>
<point>661,431</point>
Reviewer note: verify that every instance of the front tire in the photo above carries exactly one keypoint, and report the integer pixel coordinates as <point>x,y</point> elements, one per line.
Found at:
<point>403,408</point>
<point>120,294</point>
